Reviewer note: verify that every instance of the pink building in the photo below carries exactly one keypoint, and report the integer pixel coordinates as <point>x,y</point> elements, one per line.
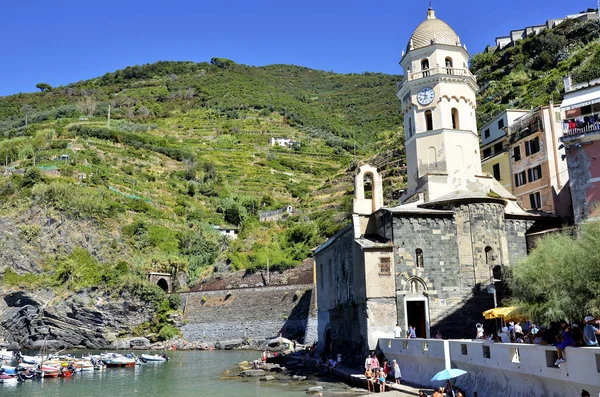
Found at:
<point>581,140</point>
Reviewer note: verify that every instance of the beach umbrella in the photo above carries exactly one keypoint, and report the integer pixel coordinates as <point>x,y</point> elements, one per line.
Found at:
<point>448,374</point>
<point>507,313</point>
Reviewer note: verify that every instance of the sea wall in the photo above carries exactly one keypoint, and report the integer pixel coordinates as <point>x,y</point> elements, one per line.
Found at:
<point>498,369</point>
<point>254,313</point>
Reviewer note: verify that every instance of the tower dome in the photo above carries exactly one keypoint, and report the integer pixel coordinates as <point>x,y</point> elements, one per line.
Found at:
<point>432,31</point>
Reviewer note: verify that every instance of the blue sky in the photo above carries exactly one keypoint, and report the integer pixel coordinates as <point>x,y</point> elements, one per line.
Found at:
<point>64,41</point>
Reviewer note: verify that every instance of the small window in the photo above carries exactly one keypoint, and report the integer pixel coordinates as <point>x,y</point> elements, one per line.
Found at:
<point>429,120</point>
<point>532,146</point>
<point>463,349</point>
<point>405,345</point>
<point>455,124</point>
<point>535,200</point>
<point>425,347</point>
<point>535,173</point>
<point>385,266</point>
<point>497,171</point>
<point>500,124</point>
<point>419,257</point>
<point>486,352</point>
<point>515,357</point>
<point>489,255</point>
<point>486,133</point>
<point>520,179</point>
<point>409,128</point>
<point>517,153</point>
<point>498,147</point>
<point>487,152</point>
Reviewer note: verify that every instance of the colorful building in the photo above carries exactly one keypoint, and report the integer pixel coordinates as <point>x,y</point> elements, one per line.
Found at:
<point>581,140</point>
<point>539,175</point>
<point>494,144</point>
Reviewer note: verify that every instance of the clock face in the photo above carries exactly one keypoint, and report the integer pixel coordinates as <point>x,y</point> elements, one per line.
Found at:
<point>425,96</point>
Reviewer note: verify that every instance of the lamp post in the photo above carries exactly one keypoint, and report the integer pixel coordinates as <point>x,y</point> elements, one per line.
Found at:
<point>491,289</point>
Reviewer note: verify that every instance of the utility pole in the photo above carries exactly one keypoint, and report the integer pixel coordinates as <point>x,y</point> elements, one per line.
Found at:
<point>26,112</point>
<point>268,274</point>
<point>108,121</point>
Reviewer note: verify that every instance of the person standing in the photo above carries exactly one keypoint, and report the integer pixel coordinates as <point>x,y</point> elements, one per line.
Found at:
<point>438,335</point>
<point>590,331</point>
<point>412,331</point>
<point>375,362</point>
<point>381,376</point>
<point>368,362</point>
<point>370,383</point>
<point>397,331</point>
<point>397,373</point>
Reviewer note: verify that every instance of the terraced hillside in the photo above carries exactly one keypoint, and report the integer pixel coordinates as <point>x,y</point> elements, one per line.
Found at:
<point>186,148</point>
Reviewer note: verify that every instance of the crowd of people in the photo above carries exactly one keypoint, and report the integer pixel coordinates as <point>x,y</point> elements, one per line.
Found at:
<point>561,334</point>
<point>379,375</point>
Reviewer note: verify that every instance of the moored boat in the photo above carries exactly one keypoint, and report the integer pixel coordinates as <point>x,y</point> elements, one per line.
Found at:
<point>49,371</point>
<point>154,358</point>
<point>8,379</point>
<point>117,360</point>
<point>6,354</point>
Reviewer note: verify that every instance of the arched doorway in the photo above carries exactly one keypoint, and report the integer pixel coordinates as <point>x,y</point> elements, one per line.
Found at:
<point>328,342</point>
<point>162,283</point>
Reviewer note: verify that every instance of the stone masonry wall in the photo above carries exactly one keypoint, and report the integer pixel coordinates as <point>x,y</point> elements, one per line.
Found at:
<point>439,276</point>
<point>254,313</point>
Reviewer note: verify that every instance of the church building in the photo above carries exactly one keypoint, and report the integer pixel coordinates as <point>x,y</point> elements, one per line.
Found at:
<point>432,261</point>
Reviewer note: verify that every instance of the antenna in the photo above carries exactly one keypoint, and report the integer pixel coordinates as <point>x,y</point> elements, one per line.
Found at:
<point>430,3</point>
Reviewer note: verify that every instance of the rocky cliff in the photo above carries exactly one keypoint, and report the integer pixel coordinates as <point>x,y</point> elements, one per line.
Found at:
<point>81,320</point>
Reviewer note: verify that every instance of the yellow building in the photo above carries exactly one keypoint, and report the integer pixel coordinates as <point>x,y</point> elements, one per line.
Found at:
<point>495,159</point>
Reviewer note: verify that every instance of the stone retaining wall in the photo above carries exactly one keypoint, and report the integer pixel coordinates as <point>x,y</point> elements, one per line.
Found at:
<point>253,313</point>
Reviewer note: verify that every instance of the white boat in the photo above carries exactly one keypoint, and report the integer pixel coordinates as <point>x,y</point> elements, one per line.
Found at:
<point>31,359</point>
<point>118,360</point>
<point>8,370</point>
<point>8,379</point>
<point>154,358</point>
<point>6,354</point>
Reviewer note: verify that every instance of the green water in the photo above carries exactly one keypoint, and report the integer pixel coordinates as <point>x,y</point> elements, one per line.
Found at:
<point>188,373</point>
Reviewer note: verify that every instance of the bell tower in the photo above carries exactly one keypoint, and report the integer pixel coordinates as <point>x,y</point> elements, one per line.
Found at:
<point>438,96</point>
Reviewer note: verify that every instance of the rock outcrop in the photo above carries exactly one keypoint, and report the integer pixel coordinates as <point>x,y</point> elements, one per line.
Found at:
<point>82,320</point>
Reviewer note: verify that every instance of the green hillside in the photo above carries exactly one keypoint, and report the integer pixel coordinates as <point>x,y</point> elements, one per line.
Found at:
<point>530,73</point>
<point>187,148</point>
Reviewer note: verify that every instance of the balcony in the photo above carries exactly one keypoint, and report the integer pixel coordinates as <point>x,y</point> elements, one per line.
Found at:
<point>439,70</point>
<point>584,129</point>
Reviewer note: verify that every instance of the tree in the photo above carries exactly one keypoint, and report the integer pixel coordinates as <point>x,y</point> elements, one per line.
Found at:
<point>44,87</point>
<point>222,63</point>
<point>560,279</point>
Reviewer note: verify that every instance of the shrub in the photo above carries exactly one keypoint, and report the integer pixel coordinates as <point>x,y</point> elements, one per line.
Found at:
<point>168,331</point>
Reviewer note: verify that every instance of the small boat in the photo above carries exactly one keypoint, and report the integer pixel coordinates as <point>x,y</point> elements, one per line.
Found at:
<point>50,371</point>
<point>117,360</point>
<point>29,375</point>
<point>31,359</point>
<point>8,379</point>
<point>6,354</point>
<point>83,365</point>
<point>6,370</point>
<point>154,358</point>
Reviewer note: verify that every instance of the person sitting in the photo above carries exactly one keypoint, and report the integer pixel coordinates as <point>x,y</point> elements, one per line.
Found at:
<point>567,340</point>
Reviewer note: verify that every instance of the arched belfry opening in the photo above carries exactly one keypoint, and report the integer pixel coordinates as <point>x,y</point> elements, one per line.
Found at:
<point>449,65</point>
<point>368,191</point>
<point>425,67</point>
<point>455,121</point>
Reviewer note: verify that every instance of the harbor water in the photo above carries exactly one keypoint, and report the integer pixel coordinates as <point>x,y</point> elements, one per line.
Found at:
<point>188,373</point>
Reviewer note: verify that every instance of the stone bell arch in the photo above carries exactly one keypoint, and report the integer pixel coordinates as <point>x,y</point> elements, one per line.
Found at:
<point>361,204</point>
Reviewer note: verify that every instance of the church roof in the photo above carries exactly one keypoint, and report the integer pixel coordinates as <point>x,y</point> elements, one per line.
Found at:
<point>432,31</point>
